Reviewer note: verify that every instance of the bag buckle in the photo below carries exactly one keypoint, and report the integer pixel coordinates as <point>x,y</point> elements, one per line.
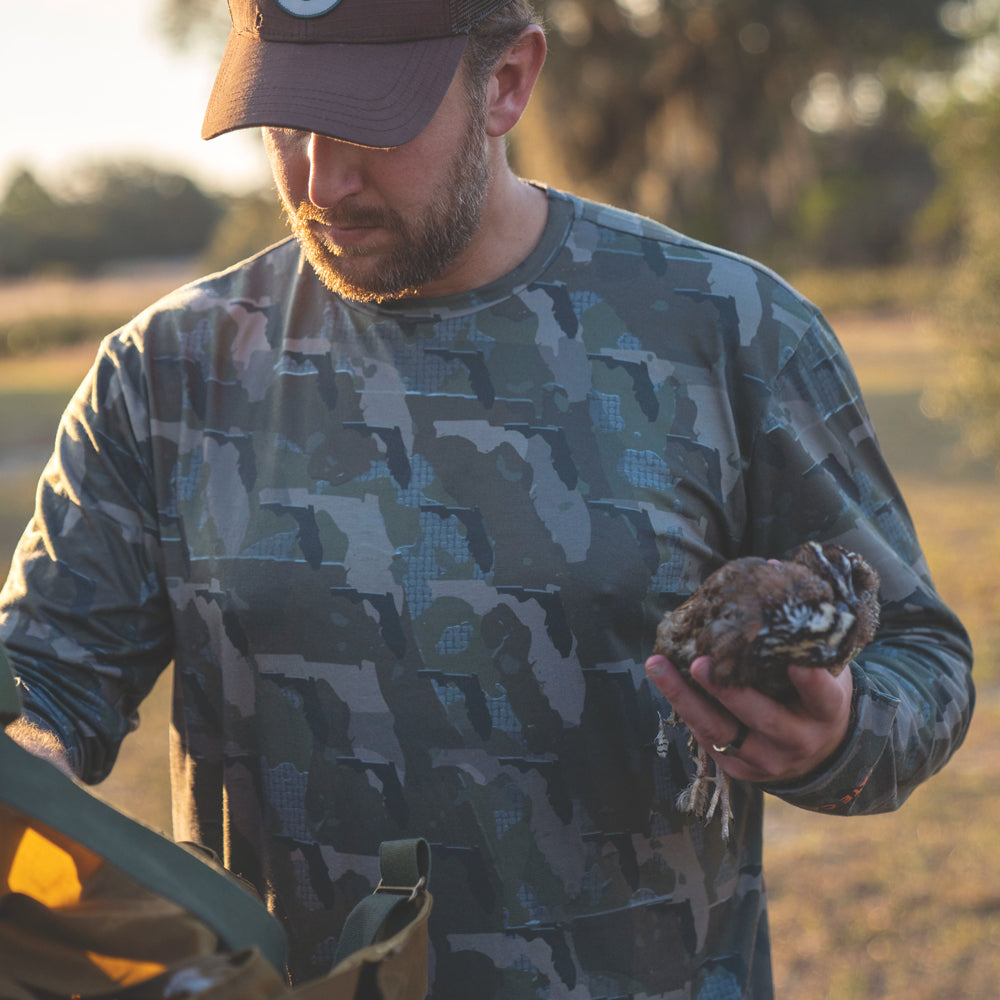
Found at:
<point>413,890</point>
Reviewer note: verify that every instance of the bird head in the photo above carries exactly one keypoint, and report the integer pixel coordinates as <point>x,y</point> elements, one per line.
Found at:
<point>847,573</point>
<point>825,619</point>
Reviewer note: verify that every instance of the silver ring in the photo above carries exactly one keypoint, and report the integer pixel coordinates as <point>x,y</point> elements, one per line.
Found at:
<point>732,747</point>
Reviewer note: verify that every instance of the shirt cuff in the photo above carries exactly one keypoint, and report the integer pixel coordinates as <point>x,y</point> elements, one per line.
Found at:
<point>836,785</point>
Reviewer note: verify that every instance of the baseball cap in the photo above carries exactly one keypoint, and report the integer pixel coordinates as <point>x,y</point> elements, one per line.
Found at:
<point>371,72</point>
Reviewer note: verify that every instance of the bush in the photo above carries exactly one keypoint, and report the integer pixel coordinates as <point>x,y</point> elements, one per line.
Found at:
<point>250,223</point>
<point>968,144</point>
<point>123,212</point>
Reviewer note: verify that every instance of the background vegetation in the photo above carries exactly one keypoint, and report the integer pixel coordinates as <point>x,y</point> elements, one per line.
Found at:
<point>854,146</point>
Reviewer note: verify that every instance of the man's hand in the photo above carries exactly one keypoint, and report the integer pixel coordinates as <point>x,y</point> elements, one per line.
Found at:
<point>784,741</point>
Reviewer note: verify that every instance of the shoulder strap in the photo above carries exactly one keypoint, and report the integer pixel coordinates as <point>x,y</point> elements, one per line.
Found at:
<point>36,789</point>
<point>404,869</point>
<point>10,704</point>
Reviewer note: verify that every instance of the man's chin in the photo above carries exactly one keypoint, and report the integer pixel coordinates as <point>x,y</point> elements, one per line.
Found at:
<point>357,287</point>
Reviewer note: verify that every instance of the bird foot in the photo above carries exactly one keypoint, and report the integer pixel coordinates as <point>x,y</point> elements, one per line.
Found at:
<point>696,799</point>
<point>709,788</point>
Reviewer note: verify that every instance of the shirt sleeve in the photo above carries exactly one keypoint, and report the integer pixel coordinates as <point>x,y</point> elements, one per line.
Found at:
<point>817,472</point>
<point>83,613</point>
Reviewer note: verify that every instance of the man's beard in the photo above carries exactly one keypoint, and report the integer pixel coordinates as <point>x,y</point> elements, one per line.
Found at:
<point>422,248</point>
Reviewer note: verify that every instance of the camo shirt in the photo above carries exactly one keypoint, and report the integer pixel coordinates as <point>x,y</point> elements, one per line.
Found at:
<point>408,562</point>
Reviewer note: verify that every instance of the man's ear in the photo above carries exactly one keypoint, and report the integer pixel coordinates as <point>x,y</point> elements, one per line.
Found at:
<point>512,81</point>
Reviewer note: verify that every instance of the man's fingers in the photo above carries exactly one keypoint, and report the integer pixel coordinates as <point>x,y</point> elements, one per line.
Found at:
<point>785,740</point>
<point>822,695</point>
<point>743,702</point>
<point>688,703</point>
<point>711,723</point>
<point>788,739</point>
<point>666,677</point>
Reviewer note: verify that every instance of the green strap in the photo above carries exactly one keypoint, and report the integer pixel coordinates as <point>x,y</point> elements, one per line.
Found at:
<point>35,788</point>
<point>10,703</point>
<point>404,867</point>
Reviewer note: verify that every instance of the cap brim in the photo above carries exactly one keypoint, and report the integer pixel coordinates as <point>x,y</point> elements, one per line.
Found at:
<point>373,95</point>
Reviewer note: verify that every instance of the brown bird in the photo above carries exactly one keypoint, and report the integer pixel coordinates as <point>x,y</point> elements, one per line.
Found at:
<point>754,617</point>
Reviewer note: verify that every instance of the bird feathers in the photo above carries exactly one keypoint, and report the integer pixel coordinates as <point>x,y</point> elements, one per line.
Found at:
<point>754,617</point>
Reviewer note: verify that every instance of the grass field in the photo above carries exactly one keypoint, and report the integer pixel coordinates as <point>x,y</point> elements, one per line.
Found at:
<point>904,905</point>
<point>907,905</point>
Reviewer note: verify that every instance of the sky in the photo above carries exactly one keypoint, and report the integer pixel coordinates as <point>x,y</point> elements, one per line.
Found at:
<point>93,79</point>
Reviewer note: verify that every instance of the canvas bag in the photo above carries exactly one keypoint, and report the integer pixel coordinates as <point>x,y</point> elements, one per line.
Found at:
<point>95,905</point>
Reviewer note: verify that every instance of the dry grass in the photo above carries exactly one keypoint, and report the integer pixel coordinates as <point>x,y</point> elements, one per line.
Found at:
<point>954,502</point>
<point>124,292</point>
<point>959,527</point>
<point>53,311</point>
<point>54,372</point>
<point>906,905</point>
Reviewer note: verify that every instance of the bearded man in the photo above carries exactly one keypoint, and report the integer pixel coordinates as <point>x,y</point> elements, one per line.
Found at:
<point>404,497</point>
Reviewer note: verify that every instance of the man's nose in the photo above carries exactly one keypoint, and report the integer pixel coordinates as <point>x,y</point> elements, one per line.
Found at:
<point>334,170</point>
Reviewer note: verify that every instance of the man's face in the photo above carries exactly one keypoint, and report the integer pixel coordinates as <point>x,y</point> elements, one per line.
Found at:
<point>381,224</point>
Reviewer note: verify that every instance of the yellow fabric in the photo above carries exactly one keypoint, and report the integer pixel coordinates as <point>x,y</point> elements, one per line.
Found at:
<point>71,924</point>
<point>41,869</point>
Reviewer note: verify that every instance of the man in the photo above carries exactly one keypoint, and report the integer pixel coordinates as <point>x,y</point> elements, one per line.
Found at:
<point>404,499</point>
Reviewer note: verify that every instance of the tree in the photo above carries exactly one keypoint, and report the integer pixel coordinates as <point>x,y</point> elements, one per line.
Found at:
<point>124,211</point>
<point>142,211</point>
<point>28,223</point>
<point>697,111</point>
<point>964,129</point>
<point>251,222</point>
<point>194,23</point>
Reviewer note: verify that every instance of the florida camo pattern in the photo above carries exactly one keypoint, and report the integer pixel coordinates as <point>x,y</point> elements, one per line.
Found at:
<point>409,561</point>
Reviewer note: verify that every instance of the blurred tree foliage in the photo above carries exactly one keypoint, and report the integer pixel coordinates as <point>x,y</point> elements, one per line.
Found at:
<point>751,123</point>
<point>252,222</point>
<point>970,297</point>
<point>120,211</point>
<point>195,23</point>
<point>964,132</point>
<point>786,129</point>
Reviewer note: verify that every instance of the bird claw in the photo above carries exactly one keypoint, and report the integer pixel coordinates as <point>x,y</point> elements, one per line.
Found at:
<point>720,800</point>
<point>695,798</point>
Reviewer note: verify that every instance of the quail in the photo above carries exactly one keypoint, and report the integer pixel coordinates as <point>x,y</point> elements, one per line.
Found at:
<point>818,607</point>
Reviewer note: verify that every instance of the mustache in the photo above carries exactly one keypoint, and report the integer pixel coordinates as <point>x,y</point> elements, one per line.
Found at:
<point>345,216</point>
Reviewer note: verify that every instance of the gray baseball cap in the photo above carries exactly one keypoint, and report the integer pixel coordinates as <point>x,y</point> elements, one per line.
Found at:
<point>372,72</point>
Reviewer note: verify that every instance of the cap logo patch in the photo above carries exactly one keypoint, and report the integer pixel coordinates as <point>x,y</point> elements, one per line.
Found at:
<point>307,8</point>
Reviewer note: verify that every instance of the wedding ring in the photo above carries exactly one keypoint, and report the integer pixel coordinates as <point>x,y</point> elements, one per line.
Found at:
<point>733,746</point>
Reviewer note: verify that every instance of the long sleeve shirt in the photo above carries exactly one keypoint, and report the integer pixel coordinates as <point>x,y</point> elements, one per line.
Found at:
<point>408,561</point>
